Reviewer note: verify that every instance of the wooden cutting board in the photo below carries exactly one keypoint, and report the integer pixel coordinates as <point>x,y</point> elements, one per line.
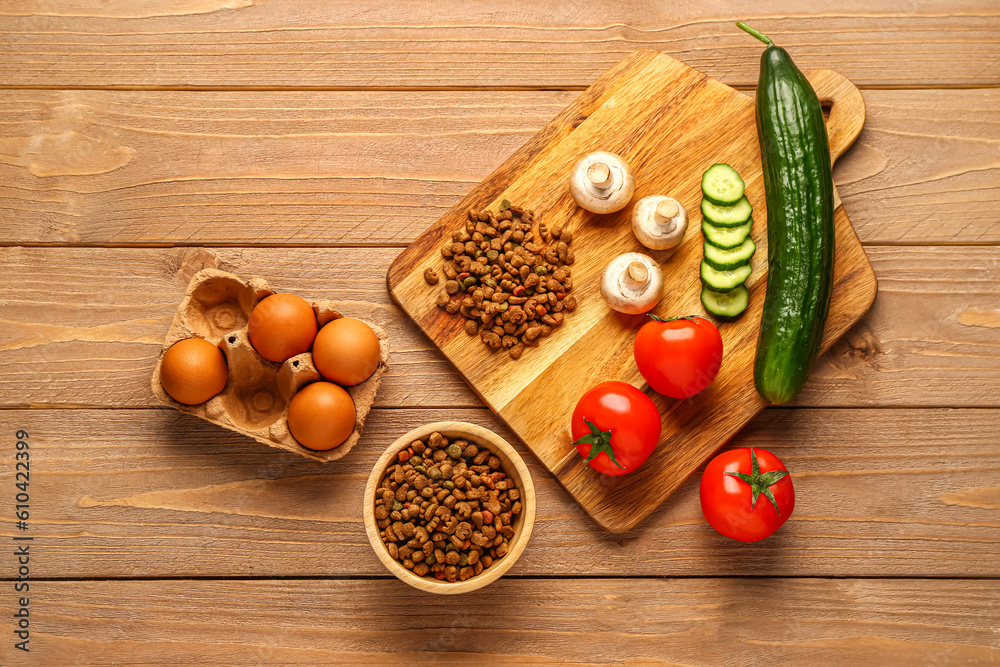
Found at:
<point>670,122</point>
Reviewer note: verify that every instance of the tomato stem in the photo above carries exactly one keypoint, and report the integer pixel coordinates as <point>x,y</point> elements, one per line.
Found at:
<point>673,319</point>
<point>760,482</point>
<point>599,441</point>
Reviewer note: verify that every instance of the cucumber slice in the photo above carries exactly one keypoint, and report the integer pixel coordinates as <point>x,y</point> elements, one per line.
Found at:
<point>721,185</point>
<point>726,305</point>
<point>726,237</point>
<point>729,259</point>
<point>723,281</point>
<point>727,216</point>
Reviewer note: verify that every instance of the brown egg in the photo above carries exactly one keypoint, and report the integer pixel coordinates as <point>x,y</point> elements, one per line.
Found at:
<point>321,416</point>
<point>193,371</point>
<point>281,326</point>
<point>346,351</point>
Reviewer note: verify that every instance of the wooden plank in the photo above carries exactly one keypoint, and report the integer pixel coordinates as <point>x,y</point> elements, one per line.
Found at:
<point>941,307</point>
<point>521,43</point>
<point>691,622</point>
<point>83,326</point>
<point>377,168</point>
<point>156,493</point>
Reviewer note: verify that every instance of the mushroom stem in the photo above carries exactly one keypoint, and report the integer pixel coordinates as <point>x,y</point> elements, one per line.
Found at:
<point>601,182</point>
<point>635,276</point>
<point>659,222</point>
<point>665,214</point>
<point>632,283</point>
<point>600,175</point>
<point>666,211</point>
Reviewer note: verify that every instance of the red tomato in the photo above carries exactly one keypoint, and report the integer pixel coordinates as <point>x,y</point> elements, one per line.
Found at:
<point>746,494</point>
<point>678,356</point>
<point>615,427</point>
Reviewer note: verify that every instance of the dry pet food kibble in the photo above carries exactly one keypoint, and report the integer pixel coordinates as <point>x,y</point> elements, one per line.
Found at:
<point>446,508</point>
<point>510,283</point>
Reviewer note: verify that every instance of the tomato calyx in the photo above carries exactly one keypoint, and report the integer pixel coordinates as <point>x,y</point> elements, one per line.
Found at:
<point>759,482</point>
<point>599,441</point>
<point>692,318</point>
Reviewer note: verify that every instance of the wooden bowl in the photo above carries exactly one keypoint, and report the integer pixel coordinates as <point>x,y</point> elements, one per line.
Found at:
<point>512,464</point>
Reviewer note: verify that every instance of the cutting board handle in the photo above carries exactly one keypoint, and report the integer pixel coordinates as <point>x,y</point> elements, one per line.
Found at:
<point>847,108</point>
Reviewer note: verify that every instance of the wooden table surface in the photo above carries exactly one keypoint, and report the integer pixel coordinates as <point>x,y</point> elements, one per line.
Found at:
<point>309,142</point>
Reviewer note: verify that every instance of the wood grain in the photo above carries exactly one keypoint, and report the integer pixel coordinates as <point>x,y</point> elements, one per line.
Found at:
<point>377,168</point>
<point>692,622</point>
<point>156,493</point>
<point>299,43</point>
<point>71,334</point>
<point>693,123</point>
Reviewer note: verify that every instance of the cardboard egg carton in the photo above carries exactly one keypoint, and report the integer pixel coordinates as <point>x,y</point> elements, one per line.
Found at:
<point>255,400</point>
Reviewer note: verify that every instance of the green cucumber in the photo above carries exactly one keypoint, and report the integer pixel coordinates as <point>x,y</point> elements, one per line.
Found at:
<point>721,185</point>
<point>723,281</point>
<point>798,185</point>
<point>727,216</point>
<point>726,237</point>
<point>725,305</point>
<point>721,259</point>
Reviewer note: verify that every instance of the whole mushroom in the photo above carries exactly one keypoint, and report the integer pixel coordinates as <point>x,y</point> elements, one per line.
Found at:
<point>632,283</point>
<point>602,183</point>
<point>659,222</point>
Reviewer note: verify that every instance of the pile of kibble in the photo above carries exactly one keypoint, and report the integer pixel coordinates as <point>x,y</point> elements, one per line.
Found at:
<point>510,283</point>
<point>446,508</point>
